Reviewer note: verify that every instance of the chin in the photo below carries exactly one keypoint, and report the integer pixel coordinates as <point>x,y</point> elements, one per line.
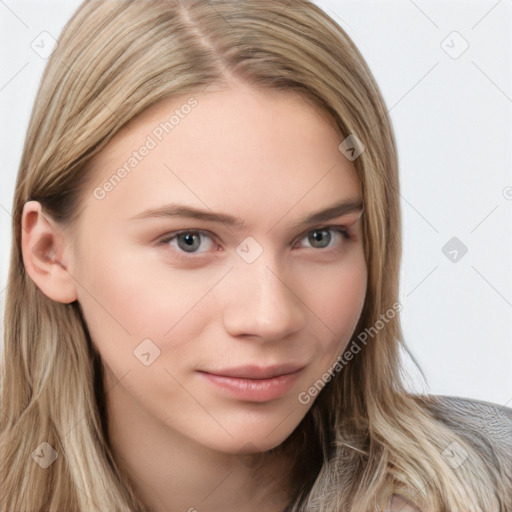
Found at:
<point>252,440</point>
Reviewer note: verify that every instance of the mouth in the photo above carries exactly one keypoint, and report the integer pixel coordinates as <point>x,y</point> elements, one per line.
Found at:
<point>257,372</point>
<point>254,383</point>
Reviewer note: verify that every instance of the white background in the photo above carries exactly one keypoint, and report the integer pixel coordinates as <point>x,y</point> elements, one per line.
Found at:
<point>452,119</point>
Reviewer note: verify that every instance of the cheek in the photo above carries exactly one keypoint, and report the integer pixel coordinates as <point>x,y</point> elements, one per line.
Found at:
<point>126,299</point>
<point>338,305</point>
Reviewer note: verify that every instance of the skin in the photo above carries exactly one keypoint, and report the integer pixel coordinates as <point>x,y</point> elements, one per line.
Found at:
<point>269,158</point>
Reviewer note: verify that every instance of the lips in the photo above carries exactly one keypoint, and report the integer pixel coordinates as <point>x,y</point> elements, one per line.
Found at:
<point>254,383</point>
<point>256,372</point>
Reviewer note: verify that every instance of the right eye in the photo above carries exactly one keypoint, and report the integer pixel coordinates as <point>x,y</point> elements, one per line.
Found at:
<point>187,241</point>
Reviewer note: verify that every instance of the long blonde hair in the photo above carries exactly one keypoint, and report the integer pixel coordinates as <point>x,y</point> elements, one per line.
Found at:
<point>365,435</point>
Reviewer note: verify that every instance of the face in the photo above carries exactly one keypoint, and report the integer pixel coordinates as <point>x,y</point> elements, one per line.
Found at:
<point>212,325</point>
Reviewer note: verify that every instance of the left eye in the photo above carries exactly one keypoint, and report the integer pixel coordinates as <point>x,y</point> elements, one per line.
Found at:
<point>190,241</point>
<point>321,237</point>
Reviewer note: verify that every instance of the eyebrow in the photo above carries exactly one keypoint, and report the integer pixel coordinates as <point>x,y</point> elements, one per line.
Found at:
<point>174,210</point>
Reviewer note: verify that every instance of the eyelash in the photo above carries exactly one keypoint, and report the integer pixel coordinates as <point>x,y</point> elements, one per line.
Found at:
<point>188,256</point>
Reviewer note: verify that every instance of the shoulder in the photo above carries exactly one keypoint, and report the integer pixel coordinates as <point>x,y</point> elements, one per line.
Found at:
<point>487,426</point>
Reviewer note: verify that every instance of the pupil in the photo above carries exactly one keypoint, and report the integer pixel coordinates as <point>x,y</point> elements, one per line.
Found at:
<point>189,241</point>
<point>318,235</point>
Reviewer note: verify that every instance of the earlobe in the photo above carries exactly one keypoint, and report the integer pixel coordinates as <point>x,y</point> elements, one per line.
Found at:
<point>42,244</point>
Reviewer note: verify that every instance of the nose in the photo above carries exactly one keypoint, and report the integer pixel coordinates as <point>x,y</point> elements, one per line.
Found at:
<point>262,304</point>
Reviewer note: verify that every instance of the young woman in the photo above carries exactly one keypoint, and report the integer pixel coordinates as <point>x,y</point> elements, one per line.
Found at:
<point>202,310</point>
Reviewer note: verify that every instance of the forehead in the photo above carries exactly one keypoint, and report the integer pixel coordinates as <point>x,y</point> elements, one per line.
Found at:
<point>244,149</point>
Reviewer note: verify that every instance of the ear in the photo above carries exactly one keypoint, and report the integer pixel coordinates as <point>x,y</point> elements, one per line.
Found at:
<point>43,249</point>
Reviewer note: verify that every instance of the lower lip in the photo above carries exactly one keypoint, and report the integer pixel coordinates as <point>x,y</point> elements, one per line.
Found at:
<point>255,390</point>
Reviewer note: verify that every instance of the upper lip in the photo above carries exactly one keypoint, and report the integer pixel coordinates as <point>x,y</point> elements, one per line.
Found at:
<point>256,372</point>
